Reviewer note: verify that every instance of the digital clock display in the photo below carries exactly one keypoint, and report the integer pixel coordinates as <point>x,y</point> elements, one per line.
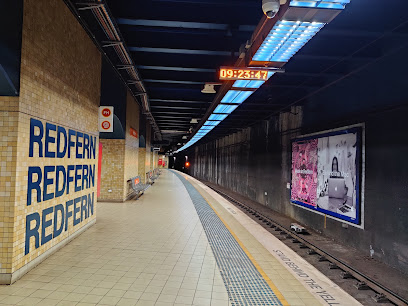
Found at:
<point>235,73</point>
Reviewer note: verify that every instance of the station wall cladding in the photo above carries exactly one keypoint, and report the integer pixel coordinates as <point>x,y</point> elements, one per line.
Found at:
<point>258,159</point>
<point>53,139</point>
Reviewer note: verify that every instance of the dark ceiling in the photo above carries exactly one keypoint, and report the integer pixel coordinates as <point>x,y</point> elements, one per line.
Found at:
<point>177,46</point>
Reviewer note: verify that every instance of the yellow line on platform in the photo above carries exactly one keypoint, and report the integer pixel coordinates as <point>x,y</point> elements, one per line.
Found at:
<point>257,266</point>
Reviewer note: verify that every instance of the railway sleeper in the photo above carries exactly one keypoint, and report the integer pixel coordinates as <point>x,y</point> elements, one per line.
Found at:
<point>346,275</point>
<point>361,286</point>
<point>380,298</point>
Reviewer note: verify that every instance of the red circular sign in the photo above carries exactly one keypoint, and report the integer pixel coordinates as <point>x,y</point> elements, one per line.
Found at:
<point>106,112</point>
<point>106,125</point>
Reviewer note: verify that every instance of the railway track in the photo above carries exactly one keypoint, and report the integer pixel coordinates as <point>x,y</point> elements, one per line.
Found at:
<point>382,295</point>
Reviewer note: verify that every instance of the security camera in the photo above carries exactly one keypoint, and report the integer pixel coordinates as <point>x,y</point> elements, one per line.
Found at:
<point>270,7</point>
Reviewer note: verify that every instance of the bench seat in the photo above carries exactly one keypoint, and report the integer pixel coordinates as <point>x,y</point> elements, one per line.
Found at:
<point>137,186</point>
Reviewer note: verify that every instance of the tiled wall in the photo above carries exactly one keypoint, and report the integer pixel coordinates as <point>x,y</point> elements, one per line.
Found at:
<point>8,157</point>
<point>148,159</point>
<point>132,143</point>
<point>120,158</point>
<point>60,85</point>
<point>112,174</point>
<point>142,164</point>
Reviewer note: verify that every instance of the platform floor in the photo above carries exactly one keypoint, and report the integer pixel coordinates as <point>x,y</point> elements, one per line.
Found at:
<point>156,251</point>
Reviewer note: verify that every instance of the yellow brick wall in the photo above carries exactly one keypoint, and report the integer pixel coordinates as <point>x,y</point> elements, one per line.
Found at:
<point>120,158</point>
<point>8,158</point>
<point>132,143</point>
<point>148,159</point>
<point>59,84</point>
<point>152,158</point>
<point>112,170</point>
<point>142,164</point>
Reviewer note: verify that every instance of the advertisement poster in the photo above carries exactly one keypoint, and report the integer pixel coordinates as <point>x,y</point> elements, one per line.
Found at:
<point>304,175</point>
<point>326,172</point>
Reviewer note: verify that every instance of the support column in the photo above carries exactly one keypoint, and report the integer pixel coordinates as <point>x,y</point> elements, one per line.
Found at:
<point>142,164</point>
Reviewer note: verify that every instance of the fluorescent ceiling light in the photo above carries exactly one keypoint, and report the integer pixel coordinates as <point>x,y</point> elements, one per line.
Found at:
<point>217,117</point>
<point>248,84</point>
<point>236,96</point>
<point>243,96</point>
<point>211,123</point>
<point>285,39</point>
<point>206,128</point>
<point>230,96</point>
<point>225,109</point>
<point>241,83</point>
<point>327,4</point>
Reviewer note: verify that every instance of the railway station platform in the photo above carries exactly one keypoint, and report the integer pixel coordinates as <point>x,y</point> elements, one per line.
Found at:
<point>260,114</point>
<point>179,244</point>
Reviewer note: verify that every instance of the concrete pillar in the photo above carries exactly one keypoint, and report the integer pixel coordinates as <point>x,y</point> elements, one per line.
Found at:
<point>120,161</point>
<point>142,164</point>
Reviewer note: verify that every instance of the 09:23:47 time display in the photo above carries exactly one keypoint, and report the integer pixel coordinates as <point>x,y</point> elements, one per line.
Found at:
<point>243,74</point>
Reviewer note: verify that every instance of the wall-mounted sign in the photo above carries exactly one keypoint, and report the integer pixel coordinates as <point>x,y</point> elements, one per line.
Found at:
<point>326,173</point>
<point>106,119</point>
<point>71,182</point>
<point>133,132</point>
<point>243,73</point>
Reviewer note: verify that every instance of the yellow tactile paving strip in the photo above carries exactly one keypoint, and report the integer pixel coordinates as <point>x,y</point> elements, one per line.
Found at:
<point>257,266</point>
<point>274,272</point>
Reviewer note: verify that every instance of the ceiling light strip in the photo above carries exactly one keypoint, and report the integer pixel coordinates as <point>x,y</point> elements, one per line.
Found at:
<point>324,4</point>
<point>284,40</point>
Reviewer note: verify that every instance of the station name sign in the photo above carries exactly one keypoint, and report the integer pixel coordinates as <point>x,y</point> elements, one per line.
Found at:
<point>58,178</point>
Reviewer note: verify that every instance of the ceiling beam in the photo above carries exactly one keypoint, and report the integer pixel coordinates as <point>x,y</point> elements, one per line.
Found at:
<point>355,33</point>
<point>174,113</point>
<point>179,101</point>
<point>164,116</point>
<point>182,51</point>
<point>212,3</point>
<point>174,120</point>
<point>174,107</point>
<point>294,86</point>
<point>174,124</point>
<point>182,24</point>
<point>184,69</point>
<point>311,74</point>
<point>173,82</point>
<point>332,58</point>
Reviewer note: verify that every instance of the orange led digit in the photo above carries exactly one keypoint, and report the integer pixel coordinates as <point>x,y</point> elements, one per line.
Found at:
<point>265,75</point>
<point>235,73</point>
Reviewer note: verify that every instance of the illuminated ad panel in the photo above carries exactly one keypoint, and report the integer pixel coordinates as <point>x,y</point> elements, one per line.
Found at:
<point>326,174</point>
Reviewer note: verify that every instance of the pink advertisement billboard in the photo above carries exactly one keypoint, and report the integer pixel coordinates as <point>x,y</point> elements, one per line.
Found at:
<point>304,171</point>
